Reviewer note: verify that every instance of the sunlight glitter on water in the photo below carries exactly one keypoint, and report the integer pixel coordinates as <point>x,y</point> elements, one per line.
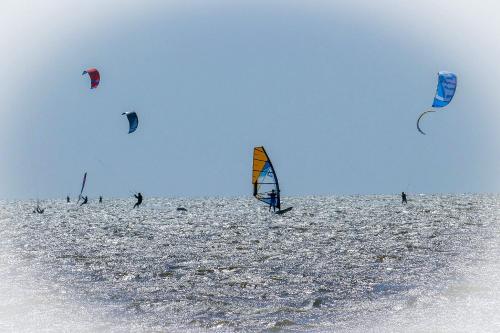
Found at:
<point>352,263</point>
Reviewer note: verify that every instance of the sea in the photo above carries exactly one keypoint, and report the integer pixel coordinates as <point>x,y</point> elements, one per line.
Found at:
<point>362,263</point>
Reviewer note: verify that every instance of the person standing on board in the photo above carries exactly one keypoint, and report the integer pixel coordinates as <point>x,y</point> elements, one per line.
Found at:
<point>403,198</point>
<point>67,199</point>
<point>38,209</point>
<point>272,201</point>
<point>100,199</point>
<point>85,201</point>
<point>139,200</point>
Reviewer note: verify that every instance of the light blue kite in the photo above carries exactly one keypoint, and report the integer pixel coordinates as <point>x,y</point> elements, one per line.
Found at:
<point>447,84</point>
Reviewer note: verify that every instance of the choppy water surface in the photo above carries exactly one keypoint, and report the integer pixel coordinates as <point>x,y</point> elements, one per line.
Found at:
<point>332,263</point>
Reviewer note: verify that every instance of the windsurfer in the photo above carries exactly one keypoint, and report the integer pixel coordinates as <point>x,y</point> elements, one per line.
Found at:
<point>138,196</point>
<point>272,201</point>
<point>403,197</point>
<point>100,199</point>
<point>85,201</point>
<point>67,199</point>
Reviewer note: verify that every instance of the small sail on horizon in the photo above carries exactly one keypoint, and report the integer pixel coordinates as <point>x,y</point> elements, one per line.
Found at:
<point>83,186</point>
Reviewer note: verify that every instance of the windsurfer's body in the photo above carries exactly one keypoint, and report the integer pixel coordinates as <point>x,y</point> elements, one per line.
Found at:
<point>100,199</point>
<point>67,199</point>
<point>85,201</point>
<point>272,200</point>
<point>138,196</point>
<point>403,198</point>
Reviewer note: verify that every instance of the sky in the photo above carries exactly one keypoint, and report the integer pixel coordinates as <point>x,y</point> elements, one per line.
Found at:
<point>331,89</point>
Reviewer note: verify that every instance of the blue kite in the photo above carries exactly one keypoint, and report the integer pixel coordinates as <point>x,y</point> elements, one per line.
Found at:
<point>447,84</point>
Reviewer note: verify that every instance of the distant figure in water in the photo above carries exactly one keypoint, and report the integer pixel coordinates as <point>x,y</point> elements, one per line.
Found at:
<point>138,196</point>
<point>85,201</point>
<point>403,197</point>
<point>272,201</point>
<point>38,209</point>
<point>67,199</point>
<point>100,199</point>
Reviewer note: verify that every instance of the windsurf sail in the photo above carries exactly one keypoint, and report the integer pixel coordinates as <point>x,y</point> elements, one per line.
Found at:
<point>83,186</point>
<point>264,178</point>
<point>447,84</point>
<point>133,121</point>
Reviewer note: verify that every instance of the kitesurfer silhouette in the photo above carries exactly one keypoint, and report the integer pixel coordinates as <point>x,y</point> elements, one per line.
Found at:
<point>139,199</point>
<point>67,199</point>
<point>85,200</point>
<point>272,201</point>
<point>38,209</point>
<point>403,197</point>
<point>100,199</point>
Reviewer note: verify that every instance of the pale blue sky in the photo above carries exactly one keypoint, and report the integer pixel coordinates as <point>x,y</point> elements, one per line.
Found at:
<point>332,93</point>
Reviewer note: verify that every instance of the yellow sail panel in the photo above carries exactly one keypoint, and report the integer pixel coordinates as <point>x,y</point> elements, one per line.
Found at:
<point>259,162</point>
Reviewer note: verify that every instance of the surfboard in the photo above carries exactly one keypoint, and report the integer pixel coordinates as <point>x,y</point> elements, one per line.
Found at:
<point>283,211</point>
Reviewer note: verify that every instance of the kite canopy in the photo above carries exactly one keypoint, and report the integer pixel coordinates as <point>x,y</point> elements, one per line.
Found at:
<point>133,121</point>
<point>447,84</point>
<point>94,77</point>
<point>264,178</point>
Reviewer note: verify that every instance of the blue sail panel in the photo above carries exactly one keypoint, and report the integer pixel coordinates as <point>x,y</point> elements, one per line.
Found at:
<point>447,84</point>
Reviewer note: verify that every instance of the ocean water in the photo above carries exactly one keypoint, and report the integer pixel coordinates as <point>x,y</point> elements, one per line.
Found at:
<point>341,264</point>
